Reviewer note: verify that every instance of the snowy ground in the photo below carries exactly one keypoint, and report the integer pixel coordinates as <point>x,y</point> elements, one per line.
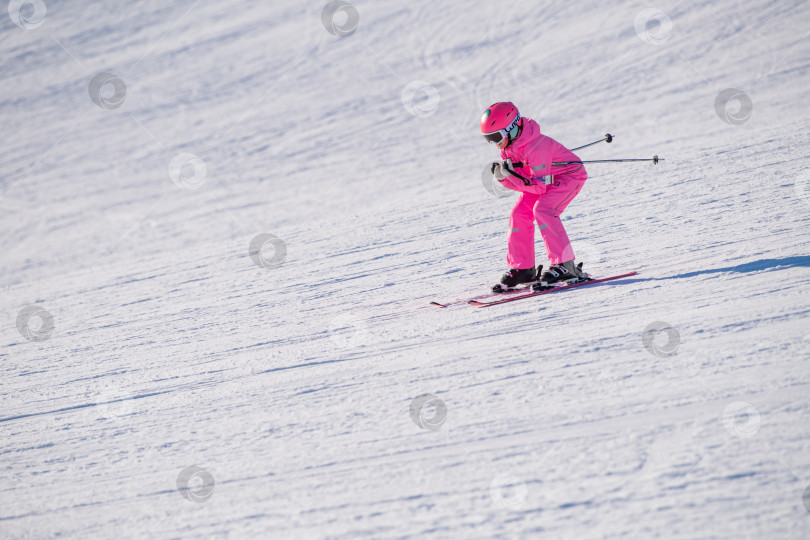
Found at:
<point>159,345</point>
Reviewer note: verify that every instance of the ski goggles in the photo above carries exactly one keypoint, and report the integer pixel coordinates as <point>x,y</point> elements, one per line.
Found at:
<point>497,136</point>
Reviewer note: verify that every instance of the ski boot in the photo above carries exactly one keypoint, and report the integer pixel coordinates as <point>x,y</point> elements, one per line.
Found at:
<point>515,277</point>
<point>564,272</point>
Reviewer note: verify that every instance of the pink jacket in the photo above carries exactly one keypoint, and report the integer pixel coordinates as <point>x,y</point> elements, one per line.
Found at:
<point>536,152</point>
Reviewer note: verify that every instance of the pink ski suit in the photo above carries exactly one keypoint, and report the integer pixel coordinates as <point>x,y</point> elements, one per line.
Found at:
<point>532,154</point>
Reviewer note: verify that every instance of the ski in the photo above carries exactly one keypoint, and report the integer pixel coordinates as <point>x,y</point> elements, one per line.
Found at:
<point>516,290</point>
<point>483,303</point>
<point>508,292</point>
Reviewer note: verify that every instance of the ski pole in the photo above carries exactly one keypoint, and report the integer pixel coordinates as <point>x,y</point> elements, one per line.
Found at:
<point>608,138</point>
<point>654,159</point>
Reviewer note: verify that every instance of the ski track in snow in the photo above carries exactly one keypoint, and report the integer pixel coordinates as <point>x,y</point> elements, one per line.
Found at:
<point>291,386</point>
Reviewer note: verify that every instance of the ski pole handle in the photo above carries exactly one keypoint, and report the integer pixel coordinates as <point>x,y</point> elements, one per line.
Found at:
<point>608,138</point>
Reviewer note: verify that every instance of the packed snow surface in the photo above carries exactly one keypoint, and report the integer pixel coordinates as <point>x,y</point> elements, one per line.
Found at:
<point>222,224</point>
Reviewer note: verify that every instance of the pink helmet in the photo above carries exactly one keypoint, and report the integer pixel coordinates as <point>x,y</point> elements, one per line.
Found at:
<point>500,120</point>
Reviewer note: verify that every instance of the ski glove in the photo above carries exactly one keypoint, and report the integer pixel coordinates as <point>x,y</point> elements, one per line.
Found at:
<point>501,168</point>
<point>497,171</point>
<point>504,168</point>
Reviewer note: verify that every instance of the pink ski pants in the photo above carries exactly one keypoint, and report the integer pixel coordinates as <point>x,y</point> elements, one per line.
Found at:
<point>546,210</point>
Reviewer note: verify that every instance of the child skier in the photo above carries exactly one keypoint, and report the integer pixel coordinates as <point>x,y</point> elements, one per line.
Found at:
<point>545,191</point>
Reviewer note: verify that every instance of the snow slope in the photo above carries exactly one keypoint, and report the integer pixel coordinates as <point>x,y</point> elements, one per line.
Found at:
<point>291,386</point>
